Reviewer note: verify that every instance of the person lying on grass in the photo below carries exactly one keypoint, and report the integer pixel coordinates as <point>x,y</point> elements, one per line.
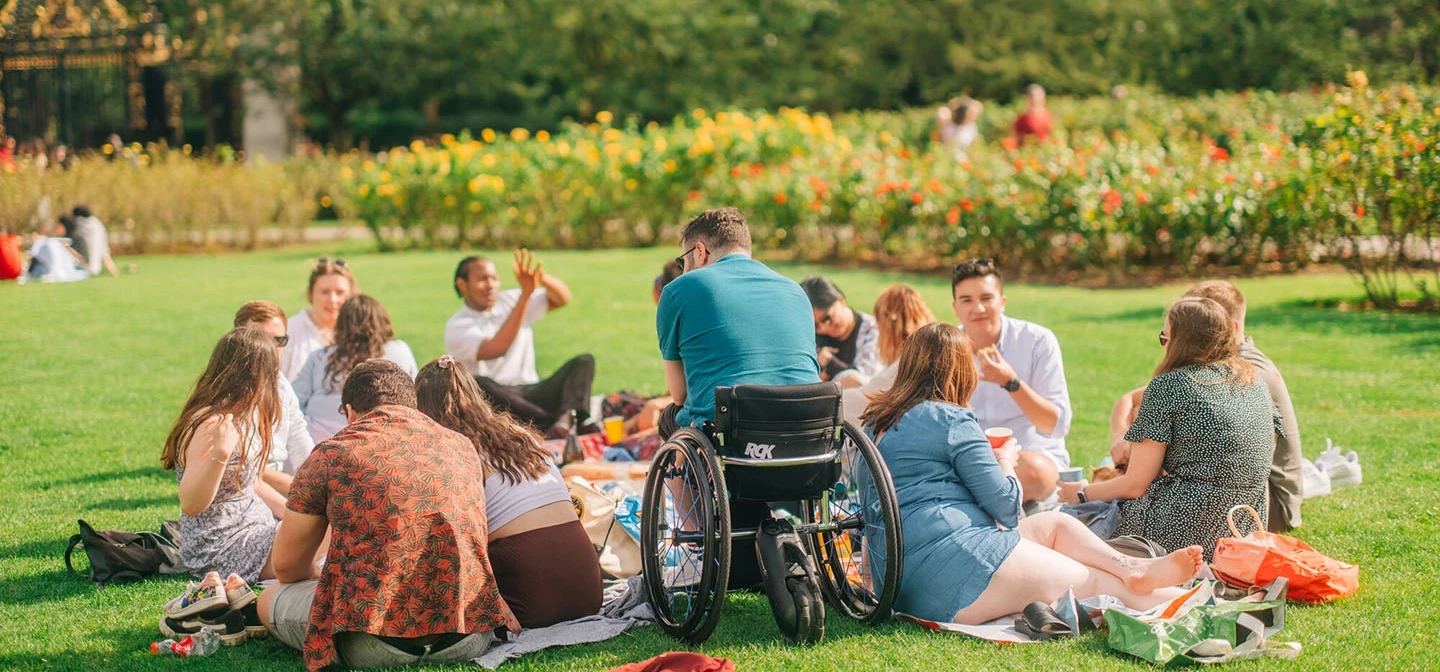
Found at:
<point>544,563</point>
<point>217,448</point>
<point>969,556</point>
<point>1202,441</point>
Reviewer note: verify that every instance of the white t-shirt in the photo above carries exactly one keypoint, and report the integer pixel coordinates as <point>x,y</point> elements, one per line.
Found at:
<point>321,402</point>
<point>854,400</point>
<point>305,338</point>
<point>468,328</point>
<point>506,501</point>
<point>290,443</point>
<point>97,243</point>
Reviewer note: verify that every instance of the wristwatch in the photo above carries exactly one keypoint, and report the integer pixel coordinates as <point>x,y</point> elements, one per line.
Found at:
<point>1080,495</point>
<point>1013,385</point>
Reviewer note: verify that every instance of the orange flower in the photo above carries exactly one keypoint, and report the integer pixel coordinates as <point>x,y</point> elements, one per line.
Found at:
<point>735,172</point>
<point>693,195</point>
<point>1359,210</point>
<point>967,205</point>
<point>781,198</point>
<point>952,216</point>
<point>1111,201</point>
<point>1219,154</point>
<point>917,198</point>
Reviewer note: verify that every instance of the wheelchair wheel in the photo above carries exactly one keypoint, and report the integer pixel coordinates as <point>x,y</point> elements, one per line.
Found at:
<point>685,537</point>
<point>859,563</point>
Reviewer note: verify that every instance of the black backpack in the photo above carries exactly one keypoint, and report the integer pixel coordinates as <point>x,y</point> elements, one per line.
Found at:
<point>124,557</point>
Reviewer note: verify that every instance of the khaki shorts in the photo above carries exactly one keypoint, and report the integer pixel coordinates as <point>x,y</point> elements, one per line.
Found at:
<point>290,618</point>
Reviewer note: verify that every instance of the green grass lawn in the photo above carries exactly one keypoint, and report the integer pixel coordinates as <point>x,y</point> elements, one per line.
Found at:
<point>95,372</point>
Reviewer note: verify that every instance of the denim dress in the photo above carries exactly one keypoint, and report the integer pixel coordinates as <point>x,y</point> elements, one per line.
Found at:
<point>953,501</point>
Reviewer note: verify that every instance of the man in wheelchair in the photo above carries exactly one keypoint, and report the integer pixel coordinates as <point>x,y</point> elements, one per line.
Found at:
<point>734,333</point>
<point>730,320</point>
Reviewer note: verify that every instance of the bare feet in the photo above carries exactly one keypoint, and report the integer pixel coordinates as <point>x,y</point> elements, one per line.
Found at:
<point>1171,570</point>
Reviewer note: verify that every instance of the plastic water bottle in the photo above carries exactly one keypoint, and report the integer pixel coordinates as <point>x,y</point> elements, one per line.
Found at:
<point>202,643</point>
<point>164,647</point>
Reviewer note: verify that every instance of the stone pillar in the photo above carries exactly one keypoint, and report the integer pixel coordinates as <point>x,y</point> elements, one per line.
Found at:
<point>266,131</point>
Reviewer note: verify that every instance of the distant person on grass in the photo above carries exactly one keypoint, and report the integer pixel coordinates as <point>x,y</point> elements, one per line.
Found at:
<point>1203,439</point>
<point>1285,478</point>
<point>292,442</point>
<point>969,555</point>
<point>1035,122</point>
<point>407,576</point>
<point>362,331</point>
<point>91,240</point>
<point>331,283</point>
<point>844,337</point>
<point>1022,378</point>
<point>543,560</point>
<point>492,337</point>
<point>217,448</point>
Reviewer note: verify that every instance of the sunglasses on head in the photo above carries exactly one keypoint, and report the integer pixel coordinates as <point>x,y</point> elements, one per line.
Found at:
<point>326,261</point>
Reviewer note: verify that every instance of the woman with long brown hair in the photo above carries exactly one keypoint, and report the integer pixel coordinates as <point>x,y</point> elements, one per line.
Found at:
<point>969,557</point>
<point>1202,441</point>
<point>544,563</point>
<point>899,312</point>
<point>217,447</point>
<point>362,331</point>
<point>331,283</point>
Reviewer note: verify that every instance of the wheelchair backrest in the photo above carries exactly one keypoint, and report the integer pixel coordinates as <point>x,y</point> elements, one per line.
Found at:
<point>761,423</point>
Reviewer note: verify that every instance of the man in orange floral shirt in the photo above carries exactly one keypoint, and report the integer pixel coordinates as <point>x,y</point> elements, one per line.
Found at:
<point>406,578</point>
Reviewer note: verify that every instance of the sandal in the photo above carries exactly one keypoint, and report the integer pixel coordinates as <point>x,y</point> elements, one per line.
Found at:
<point>1039,621</point>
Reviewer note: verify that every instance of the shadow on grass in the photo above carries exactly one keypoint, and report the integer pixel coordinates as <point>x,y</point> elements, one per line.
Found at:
<point>51,586</point>
<point>132,504</point>
<point>107,476</point>
<point>1155,315</point>
<point>1306,316</point>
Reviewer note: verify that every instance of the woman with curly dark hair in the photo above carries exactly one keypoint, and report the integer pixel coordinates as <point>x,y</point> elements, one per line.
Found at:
<point>362,331</point>
<point>544,563</point>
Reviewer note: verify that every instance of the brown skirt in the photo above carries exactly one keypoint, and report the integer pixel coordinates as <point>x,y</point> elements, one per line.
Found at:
<point>548,575</point>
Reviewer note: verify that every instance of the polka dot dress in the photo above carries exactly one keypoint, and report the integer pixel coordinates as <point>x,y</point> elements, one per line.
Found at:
<point>1220,439</point>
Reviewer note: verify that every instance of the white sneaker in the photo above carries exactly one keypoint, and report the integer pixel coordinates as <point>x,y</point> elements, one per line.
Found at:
<point>1346,472</point>
<point>1330,457</point>
<point>1314,482</point>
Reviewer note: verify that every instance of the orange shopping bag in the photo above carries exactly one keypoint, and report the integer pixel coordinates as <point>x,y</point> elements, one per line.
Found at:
<point>1261,557</point>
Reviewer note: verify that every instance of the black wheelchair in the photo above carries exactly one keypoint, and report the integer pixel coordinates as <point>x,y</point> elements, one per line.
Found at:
<point>780,469</point>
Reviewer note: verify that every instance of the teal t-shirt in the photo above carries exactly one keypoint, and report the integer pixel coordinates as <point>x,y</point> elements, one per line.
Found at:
<point>735,322</point>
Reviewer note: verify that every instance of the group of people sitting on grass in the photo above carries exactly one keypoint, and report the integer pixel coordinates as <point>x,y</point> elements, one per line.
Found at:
<point>74,247</point>
<point>419,512</point>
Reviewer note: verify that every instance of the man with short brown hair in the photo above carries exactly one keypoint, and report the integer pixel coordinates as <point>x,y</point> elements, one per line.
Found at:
<point>1286,481</point>
<point>407,575</point>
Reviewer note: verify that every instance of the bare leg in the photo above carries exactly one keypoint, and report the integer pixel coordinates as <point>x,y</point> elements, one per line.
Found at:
<point>1034,573</point>
<point>1038,475</point>
<point>1069,537</point>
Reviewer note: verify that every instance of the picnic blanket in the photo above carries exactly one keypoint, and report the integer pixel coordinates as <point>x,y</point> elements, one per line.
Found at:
<point>1003,629</point>
<point>624,607</point>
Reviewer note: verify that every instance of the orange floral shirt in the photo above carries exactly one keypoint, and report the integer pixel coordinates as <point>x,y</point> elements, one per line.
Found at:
<point>405,500</point>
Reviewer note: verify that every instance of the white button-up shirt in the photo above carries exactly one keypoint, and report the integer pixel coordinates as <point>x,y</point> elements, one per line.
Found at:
<point>468,328</point>
<point>1034,353</point>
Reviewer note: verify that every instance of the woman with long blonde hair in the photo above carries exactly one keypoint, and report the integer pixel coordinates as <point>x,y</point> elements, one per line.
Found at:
<point>217,447</point>
<point>899,312</point>
<point>331,283</point>
<point>969,557</point>
<point>544,564</point>
<point>1202,441</point>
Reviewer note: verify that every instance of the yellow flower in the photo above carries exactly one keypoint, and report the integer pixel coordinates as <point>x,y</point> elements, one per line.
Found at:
<point>474,206</point>
<point>612,134</point>
<point>1357,79</point>
<point>563,148</point>
<point>542,136</point>
<point>630,184</point>
<point>519,134</point>
<point>632,156</point>
<point>698,113</point>
<point>346,173</point>
<point>398,200</point>
<point>367,166</point>
<point>107,149</point>
<point>488,135</point>
<point>488,160</point>
<point>660,144</point>
<point>364,190</point>
<point>449,201</point>
<point>448,139</point>
<point>669,165</point>
<point>474,185</point>
<point>604,116</point>
<point>384,176</point>
<point>325,202</point>
<point>417,146</point>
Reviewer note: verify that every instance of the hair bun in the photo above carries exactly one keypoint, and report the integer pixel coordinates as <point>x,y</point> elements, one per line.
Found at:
<point>445,362</point>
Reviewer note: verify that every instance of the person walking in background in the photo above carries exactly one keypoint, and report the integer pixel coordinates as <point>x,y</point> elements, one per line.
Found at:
<point>331,283</point>
<point>1035,122</point>
<point>957,125</point>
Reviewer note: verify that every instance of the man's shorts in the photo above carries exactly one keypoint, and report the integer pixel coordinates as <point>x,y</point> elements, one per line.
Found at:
<point>290,618</point>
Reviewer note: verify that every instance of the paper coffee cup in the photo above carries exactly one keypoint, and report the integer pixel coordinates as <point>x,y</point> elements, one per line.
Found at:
<point>1072,475</point>
<point>999,436</point>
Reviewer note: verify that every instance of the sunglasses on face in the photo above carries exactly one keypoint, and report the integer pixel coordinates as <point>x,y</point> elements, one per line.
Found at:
<point>1164,339</point>
<point>282,340</point>
<point>680,260</point>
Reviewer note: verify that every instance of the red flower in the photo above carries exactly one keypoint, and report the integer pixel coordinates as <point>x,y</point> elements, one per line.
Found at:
<point>1111,201</point>
<point>1359,210</point>
<point>1219,154</point>
<point>952,216</point>
<point>756,169</point>
<point>735,172</point>
<point>967,205</point>
<point>694,194</point>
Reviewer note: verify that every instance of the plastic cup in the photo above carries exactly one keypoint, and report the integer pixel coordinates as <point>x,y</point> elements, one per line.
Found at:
<point>614,429</point>
<point>1072,475</point>
<point>999,436</point>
